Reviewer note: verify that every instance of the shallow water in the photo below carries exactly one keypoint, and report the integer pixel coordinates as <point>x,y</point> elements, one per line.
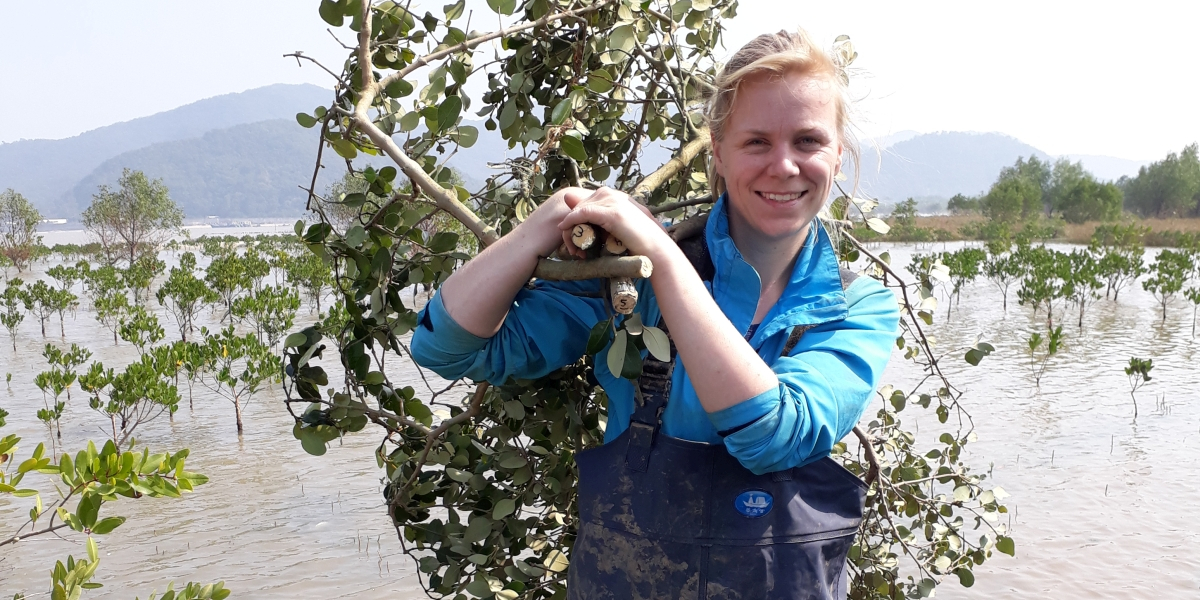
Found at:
<point>1101,503</point>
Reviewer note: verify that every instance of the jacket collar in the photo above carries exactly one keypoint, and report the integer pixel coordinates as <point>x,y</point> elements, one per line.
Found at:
<point>813,295</point>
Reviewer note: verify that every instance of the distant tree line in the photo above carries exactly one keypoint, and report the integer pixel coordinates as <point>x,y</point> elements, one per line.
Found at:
<point>1033,188</point>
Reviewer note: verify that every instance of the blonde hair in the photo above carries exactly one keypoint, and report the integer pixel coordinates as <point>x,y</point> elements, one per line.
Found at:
<point>778,54</point>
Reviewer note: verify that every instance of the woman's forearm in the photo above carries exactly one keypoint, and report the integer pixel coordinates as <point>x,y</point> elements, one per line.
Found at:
<point>479,294</point>
<point>723,368</point>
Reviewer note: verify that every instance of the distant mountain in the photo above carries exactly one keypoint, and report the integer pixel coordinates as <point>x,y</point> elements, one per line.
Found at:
<point>45,170</point>
<point>250,170</point>
<point>939,165</point>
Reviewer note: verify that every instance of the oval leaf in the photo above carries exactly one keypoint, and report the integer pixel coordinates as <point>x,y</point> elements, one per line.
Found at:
<point>448,112</point>
<point>616,353</point>
<point>657,343</point>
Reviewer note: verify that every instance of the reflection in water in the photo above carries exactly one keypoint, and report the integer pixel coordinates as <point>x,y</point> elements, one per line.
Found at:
<point>1102,506</point>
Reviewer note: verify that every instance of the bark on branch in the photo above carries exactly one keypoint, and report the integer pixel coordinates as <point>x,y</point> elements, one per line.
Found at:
<point>636,267</point>
<point>686,155</point>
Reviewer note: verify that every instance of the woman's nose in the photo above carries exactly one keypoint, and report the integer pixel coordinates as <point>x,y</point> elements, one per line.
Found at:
<point>784,163</point>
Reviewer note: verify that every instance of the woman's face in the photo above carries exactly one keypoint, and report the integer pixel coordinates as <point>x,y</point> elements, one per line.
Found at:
<point>780,152</point>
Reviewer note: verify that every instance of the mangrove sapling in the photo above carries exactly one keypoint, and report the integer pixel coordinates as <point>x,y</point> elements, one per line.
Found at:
<point>271,310</point>
<point>236,367</point>
<point>140,276</point>
<point>103,281</point>
<point>63,363</point>
<point>138,394</point>
<point>964,267</point>
<point>1168,274</point>
<point>11,305</point>
<point>60,302</point>
<point>1193,296</point>
<point>90,479</point>
<point>111,310</point>
<point>1046,272</point>
<point>1138,372</point>
<point>311,273</point>
<point>1039,360</point>
<point>184,295</point>
<point>257,268</point>
<point>140,328</point>
<point>1120,255</point>
<point>40,301</point>
<point>1082,281</point>
<point>65,275</point>
<point>1002,270</point>
<point>226,276</point>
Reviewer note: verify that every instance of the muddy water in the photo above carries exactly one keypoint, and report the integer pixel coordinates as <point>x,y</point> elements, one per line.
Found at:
<point>1103,505</point>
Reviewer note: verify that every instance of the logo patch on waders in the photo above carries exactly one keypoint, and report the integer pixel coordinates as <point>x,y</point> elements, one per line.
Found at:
<point>753,503</point>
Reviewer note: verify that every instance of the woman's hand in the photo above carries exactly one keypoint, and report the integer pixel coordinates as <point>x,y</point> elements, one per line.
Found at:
<point>615,212</point>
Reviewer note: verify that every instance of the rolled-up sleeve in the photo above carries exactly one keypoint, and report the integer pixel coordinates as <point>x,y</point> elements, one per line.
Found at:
<point>825,385</point>
<point>546,328</point>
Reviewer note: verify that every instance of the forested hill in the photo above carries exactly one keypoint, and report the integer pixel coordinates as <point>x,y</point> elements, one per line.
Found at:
<point>46,170</point>
<point>250,170</point>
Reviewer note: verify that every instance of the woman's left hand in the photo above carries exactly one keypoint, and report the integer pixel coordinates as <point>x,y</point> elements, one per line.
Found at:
<point>615,212</point>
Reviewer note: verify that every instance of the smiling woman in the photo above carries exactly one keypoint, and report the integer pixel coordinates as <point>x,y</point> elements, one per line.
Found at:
<point>778,354</point>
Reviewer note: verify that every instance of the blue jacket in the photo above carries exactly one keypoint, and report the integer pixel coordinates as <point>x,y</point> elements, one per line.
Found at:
<point>825,383</point>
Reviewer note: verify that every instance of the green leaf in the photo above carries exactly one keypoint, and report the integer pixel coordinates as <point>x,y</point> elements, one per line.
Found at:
<point>965,576</point>
<point>454,11</point>
<point>410,121</point>
<point>294,340</point>
<point>616,353</point>
<point>572,147</point>
<point>443,241</point>
<point>504,7</point>
<point>330,12</point>
<point>657,343</point>
<point>92,550</point>
<point>465,135</point>
<point>1006,545</point>
<point>514,462</point>
<point>478,529</point>
<point>504,508</point>
<point>305,120</point>
<point>312,443</point>
<point>622,38</point>
<point>599,336</point>
<point>561,111</point>
<point>448,112</point>
<point>398,89</point>
<point>878,225</point>
<point>108,524</point>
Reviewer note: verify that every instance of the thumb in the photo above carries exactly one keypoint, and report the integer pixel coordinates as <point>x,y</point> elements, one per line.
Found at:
<point>573,196</point>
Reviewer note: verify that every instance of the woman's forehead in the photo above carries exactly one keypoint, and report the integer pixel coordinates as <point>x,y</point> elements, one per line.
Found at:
<point>793,99</point>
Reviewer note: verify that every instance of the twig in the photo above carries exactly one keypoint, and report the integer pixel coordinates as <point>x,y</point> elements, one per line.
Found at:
<point>872,458</point>
<point>670,206</point>
<point>432,436</point>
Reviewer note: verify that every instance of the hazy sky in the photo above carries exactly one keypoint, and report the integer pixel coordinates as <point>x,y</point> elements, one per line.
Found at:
<point>1066,77</point>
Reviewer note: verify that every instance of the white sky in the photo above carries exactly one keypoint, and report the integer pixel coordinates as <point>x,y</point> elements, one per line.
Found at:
<point>1067,77</point>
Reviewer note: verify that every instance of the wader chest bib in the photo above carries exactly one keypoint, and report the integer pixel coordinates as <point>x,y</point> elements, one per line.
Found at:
<point>665,518</point>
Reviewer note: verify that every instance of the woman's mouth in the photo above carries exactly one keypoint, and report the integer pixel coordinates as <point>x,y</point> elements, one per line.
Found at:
<point>787,197</point>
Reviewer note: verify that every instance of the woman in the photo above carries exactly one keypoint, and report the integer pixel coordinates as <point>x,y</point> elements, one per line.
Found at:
<point>727,491</point>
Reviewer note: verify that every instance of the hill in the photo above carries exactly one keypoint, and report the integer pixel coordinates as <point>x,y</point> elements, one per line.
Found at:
<point>45,170</point>
<point>250,170</point>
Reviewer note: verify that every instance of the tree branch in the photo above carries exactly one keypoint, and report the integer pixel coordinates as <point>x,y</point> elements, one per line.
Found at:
<point>637,267</point>
<point>686,154</point>
<point>432,436</point>
<point>364,48</point>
